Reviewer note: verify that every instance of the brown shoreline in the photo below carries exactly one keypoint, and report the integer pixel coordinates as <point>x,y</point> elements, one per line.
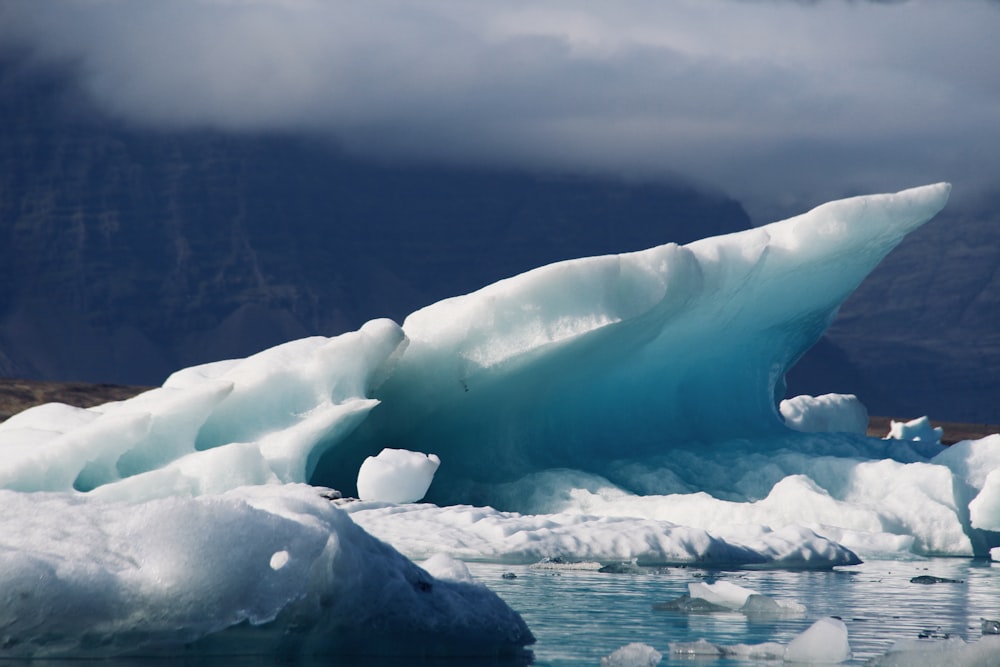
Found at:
<point>17,395</point>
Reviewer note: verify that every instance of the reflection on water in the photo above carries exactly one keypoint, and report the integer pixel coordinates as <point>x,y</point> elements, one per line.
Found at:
<point>578,617</point>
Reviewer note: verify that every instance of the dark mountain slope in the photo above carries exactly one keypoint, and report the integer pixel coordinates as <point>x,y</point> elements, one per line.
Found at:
<point>127,254</point>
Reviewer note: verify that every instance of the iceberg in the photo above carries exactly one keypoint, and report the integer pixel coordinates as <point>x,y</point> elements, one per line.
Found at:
<point>607,409</point>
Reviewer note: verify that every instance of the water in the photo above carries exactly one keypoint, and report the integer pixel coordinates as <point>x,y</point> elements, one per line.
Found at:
<point>578,617</point>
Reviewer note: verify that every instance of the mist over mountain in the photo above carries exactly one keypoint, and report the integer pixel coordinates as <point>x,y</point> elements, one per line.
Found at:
<point>127,254</point>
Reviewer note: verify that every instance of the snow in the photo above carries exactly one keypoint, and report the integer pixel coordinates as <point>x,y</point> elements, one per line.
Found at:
<point>396,476</point>
<point>604,410</point>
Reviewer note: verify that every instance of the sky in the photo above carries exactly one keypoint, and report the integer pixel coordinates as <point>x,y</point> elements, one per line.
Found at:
<point>779,103</point>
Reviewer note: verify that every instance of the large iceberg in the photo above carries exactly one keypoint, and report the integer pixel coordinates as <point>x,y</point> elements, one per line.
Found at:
<point>609,408</point>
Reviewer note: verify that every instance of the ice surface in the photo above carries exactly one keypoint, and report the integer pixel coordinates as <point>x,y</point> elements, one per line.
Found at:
<point>87,577</point>
<point>396,476</point>
<point>607,409</point>
<point>484,533</point>
<point>584,362</point>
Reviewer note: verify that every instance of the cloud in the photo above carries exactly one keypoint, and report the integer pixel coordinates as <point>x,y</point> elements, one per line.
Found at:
<point>781,101</point>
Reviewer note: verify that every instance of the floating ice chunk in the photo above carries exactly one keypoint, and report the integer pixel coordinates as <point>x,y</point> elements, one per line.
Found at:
<point>700,648</point>
<point>633,655</point>
<point>765,651</point>
<point>829,413</point>
<point>723,596</point>
<point>722,593</point>
<point>442,566</point>
<point>762,605</point>
<point>915,429</point>
<point>953,652</point>
<point>397,476</point>
<point>824,642</point>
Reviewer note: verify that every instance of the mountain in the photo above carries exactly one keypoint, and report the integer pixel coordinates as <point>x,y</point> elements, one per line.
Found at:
<point>127,253</point>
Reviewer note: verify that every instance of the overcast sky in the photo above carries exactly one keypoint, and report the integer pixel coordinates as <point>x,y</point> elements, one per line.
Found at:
<point>779,103</point>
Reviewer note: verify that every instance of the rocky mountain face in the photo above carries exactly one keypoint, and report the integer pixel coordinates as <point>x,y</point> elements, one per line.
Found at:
<point>126,253</point>
<point>924,328</point>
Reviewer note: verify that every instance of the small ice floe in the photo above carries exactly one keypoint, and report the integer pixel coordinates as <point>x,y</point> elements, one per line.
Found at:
<point>933,633</point>
<point>699,649</point>
<point>915,429</point>
<point>824,642</point>
<point>829,413</point>
<point>633,655</point>
<point>397,476</point>
<point>629,567</point>
<point>558,563</point>
<point>927,580</point>
<point>726,596</point>
<point>953,651</point>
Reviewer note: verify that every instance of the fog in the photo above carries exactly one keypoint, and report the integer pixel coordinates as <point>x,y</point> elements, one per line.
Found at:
<point>780,104</point>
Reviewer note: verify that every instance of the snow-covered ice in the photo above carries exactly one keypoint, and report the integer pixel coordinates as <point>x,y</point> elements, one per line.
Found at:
<point>268,569</point>
<point>607,409</point>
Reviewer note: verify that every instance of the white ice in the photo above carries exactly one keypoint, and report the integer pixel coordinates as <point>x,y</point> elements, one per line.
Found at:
<point>633,655</point>
<point>915,429</point>
<point>607,408</point>
<point>829,413</point>
<point>953,652</point>
<point>269,569</point>
<point>738,598</point>
<point>396,476</point>
<point>824,642</point>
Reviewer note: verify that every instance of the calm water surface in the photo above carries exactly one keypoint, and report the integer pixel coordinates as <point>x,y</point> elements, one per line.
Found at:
<point>578,617</point>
